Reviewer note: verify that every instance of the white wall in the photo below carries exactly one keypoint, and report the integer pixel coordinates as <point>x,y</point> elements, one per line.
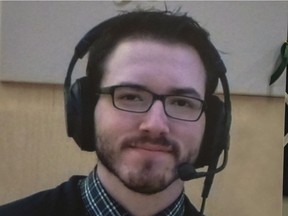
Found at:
<point>38,38</point>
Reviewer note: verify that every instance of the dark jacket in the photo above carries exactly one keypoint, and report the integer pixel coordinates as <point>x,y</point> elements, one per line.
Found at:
<point>64,200</point>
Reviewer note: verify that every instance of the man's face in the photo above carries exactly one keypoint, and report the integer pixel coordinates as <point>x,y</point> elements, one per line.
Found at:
<point>144,150</point>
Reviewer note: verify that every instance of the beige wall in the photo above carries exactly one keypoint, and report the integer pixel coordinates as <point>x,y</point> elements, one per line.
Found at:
<point>36,154</point>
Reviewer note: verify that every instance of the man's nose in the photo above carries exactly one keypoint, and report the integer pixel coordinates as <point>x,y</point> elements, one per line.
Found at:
<point>155,121</point>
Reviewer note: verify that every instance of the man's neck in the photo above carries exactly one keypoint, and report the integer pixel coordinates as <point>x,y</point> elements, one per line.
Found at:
<point>137,203</point>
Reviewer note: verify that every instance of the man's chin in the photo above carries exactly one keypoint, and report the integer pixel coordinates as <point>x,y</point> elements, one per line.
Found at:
<point>146,181</point>
<point>143,177</point>
<point>145,189</point>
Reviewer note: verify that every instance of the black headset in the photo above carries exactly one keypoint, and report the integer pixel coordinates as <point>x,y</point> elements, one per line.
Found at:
<point>79,110</point>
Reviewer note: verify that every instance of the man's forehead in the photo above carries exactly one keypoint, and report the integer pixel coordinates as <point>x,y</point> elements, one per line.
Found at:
<point>166,68</point>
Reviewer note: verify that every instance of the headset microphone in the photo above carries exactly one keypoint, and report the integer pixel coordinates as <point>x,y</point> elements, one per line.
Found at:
<point>186,171</point>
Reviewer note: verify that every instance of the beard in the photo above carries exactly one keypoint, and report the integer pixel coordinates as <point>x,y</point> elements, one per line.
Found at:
<point>143,177</point>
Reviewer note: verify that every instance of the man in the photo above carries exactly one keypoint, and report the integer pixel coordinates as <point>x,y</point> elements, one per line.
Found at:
<point>149,75</point>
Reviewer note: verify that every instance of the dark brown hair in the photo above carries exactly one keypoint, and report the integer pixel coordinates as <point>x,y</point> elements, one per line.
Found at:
<point>165,26</point>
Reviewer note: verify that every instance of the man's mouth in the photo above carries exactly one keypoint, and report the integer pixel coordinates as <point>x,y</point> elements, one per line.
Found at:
<point>152,147</point>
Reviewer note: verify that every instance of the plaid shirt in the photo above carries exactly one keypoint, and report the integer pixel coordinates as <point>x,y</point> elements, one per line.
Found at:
<point>99,203</point>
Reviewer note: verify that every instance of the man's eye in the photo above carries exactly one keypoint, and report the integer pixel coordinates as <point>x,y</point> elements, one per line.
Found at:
<point>130,97</point>
<point>182,103</point>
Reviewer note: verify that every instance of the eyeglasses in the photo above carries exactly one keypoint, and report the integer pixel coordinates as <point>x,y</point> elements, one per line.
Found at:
<point>139,100</point>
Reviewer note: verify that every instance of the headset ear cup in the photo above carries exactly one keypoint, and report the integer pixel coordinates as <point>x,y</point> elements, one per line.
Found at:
<point>215,136</point>
<point>79,115</point>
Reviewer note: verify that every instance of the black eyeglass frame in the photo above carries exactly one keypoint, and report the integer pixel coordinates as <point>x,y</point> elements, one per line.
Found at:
<point>111,90</point>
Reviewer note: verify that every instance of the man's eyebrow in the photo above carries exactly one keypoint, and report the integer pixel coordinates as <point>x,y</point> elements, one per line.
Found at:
<point>131,84</point>
<point>189,91</point>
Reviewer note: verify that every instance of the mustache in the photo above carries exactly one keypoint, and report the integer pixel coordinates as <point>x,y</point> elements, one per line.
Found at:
<point>161,140</point>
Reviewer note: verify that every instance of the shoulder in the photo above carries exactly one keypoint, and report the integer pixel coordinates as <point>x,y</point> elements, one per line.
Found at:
<point>65,199</point>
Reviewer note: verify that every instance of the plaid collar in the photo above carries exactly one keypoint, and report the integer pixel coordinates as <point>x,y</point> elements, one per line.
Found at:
<point>99,203</point>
